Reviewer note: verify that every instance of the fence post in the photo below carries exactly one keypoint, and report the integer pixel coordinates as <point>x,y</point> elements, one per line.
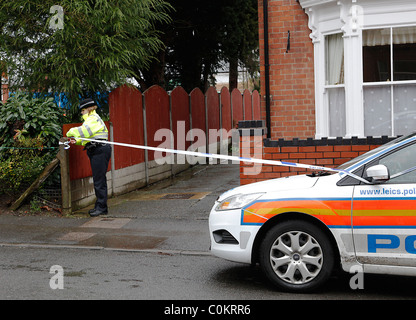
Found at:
<point>146,152</point>
<point>113,166</point>
<point>63,157</point>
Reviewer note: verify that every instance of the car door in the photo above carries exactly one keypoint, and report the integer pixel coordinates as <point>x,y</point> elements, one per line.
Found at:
<point>384,213</point>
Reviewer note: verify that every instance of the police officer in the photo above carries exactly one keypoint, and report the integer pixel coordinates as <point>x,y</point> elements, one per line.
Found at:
<point>99,154</point>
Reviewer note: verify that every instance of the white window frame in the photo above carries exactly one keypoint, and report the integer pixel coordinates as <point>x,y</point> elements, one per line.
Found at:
<point>334,16</point>
<point>391,83</point>
<point>328,87</point>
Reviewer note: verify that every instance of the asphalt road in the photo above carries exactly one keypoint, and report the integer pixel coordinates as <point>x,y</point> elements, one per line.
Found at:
<point>154,245</point>
<point>25,273</point>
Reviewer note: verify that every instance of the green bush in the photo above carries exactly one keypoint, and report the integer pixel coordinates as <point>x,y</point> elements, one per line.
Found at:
<point>18,172</point>
<point>30,129</point>
<point>37,117</point>
<point>23,164</point>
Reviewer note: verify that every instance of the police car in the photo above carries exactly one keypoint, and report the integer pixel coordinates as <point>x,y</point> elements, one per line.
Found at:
<point>300,228</point>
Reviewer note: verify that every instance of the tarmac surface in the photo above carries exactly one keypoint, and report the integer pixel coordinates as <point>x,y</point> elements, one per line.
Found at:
<point>167,223</point>
<point>168,217</point>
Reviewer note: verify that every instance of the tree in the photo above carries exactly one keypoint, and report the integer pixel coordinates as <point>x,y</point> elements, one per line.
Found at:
<point>194,50</point>
<point>239,36</point>
<point>200,36</point>
<point>190,47</point>
<point>78,47</point>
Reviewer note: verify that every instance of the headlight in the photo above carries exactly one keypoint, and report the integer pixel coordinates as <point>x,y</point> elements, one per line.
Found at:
<point>237,201</point>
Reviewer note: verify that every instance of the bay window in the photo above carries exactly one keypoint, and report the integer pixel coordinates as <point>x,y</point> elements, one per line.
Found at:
<point>389,81</point>
<point>365,66</point>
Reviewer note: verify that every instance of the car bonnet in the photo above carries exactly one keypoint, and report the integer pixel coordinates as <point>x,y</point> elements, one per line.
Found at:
<point>280,184</point>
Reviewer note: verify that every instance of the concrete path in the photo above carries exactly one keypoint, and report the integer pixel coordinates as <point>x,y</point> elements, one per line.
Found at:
<point>170,216</point>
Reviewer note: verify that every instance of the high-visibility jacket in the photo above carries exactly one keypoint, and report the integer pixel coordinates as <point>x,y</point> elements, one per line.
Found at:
<point>93,127</point>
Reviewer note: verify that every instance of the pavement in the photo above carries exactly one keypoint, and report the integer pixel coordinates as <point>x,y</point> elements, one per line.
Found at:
<point>168,217</point>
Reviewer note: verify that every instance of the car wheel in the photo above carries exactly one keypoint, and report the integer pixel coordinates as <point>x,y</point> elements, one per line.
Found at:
<point>296,256</point>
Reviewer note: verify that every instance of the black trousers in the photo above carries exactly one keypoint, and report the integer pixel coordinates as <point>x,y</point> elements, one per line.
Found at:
<point>100,155</point>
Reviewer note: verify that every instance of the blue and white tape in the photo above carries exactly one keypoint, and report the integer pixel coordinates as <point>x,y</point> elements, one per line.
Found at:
<point>225,157</point>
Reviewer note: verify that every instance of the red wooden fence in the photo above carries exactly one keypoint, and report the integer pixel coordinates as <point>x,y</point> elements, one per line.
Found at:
<point>135,117</point>
<point>180,114</point>
<point>237,107</point>
<point>126,109</point>
<point>198,109</point>
<point>226,116</point>
<point>157,115</point>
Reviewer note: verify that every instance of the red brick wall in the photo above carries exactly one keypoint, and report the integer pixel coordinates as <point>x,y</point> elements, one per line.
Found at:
<point>322,152</point>
<point>326,156</point>
<point>291,73</point>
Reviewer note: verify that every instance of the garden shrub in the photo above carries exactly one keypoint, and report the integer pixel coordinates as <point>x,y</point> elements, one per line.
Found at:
<point>30,129</point>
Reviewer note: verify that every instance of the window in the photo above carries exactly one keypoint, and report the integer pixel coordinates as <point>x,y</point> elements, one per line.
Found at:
<point>400,161</point>
<point>389,81</point>
<point>334,84</point>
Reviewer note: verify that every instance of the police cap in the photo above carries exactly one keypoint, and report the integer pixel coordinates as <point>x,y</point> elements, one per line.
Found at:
<point>86,103</point>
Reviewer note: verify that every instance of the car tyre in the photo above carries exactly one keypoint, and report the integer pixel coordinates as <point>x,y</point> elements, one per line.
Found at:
<point>297,256</point>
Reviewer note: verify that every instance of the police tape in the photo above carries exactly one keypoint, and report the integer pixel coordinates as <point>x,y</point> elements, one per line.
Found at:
<point>223,157</point>
<point>65,144</point>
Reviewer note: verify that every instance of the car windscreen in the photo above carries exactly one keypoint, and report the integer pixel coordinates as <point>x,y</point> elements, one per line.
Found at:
<point>368,154</point>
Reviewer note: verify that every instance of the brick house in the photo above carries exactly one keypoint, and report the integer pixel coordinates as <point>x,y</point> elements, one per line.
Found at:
<point>338,78</point>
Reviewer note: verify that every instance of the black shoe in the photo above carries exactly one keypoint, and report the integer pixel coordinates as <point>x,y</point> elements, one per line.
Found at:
<point>97,212</point>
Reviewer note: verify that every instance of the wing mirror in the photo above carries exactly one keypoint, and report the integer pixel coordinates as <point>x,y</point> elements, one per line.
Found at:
<point>379,173</point>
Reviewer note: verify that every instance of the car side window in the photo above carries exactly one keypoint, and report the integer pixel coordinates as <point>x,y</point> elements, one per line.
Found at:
<point>400,161</point>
